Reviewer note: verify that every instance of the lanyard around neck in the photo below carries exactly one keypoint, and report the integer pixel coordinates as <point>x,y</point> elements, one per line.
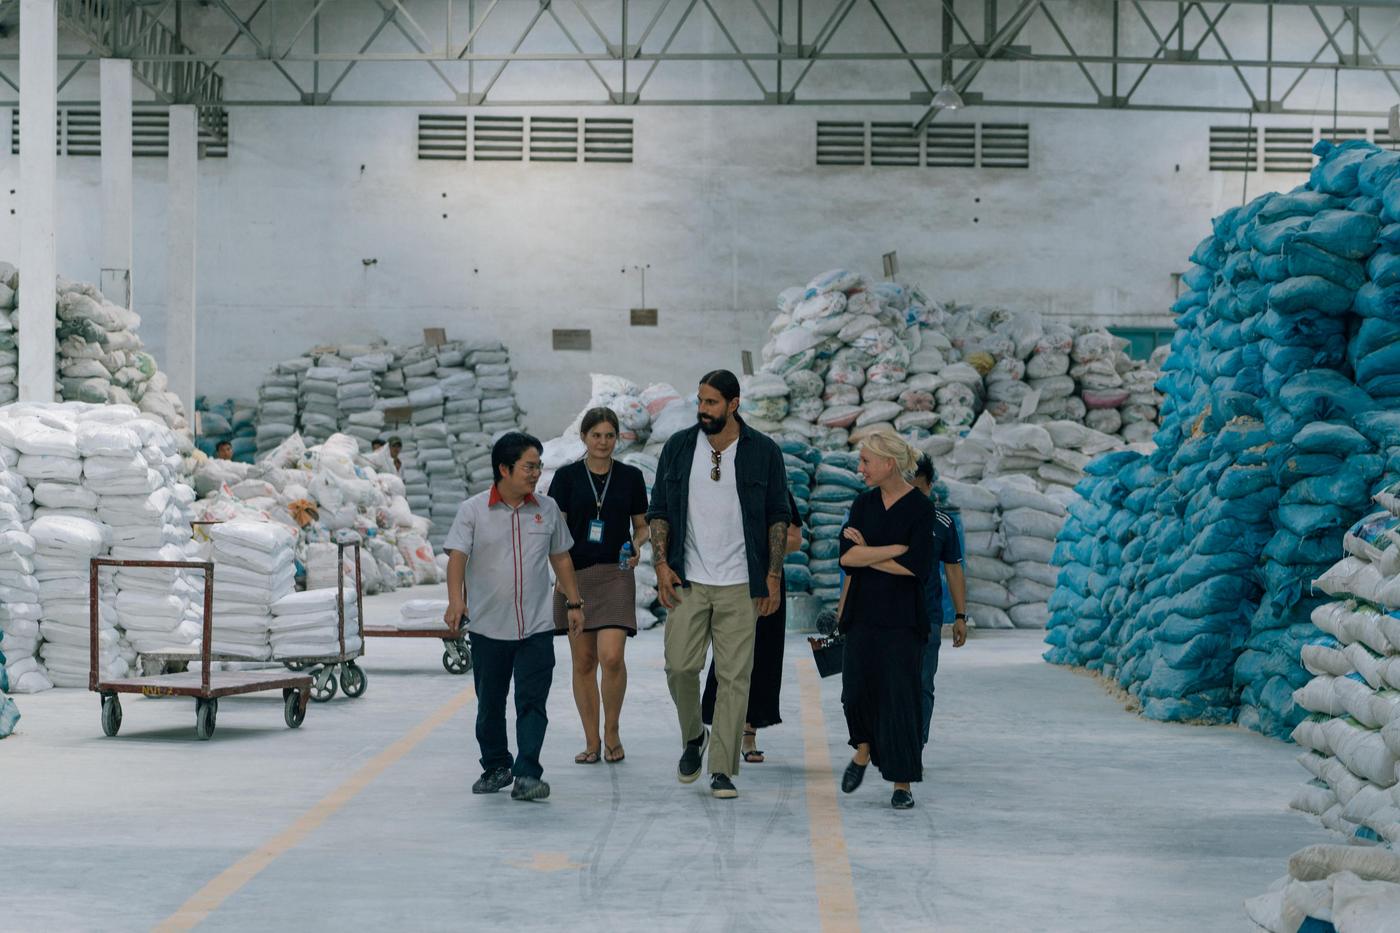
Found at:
<point>598,497</point>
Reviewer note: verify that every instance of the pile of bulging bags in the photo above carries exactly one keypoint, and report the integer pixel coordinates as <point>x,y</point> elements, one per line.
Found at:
<point>233,421</point>
<point>1187,575</point>
<point>103,480</point>
<point>848,356</point>
<point>319,492</point>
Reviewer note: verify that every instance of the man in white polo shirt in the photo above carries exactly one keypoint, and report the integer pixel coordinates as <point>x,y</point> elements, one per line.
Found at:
<point>500,549</point>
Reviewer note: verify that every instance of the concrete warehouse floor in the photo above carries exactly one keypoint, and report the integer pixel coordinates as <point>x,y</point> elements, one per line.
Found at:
<point>1046,807</point>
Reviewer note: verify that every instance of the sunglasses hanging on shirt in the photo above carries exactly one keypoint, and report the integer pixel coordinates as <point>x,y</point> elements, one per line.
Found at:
<point>714,470</point>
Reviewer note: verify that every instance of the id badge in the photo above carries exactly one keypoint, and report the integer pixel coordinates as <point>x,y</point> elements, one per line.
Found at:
<point>595,532</point>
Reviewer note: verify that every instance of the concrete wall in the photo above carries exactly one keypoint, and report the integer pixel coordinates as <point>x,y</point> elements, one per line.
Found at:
<point>726,206</point>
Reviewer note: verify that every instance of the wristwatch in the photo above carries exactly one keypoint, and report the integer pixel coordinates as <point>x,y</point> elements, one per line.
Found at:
<point>577,605</point>
<point>960,615</point>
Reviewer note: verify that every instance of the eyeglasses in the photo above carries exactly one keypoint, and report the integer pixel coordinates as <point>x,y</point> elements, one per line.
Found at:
<point>714,470</point>
<point>534,469</point>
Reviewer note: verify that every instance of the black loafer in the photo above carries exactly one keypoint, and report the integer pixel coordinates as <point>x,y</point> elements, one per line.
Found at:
<point>689,768</point>
<point>851,779</point>
<point>902,800</point>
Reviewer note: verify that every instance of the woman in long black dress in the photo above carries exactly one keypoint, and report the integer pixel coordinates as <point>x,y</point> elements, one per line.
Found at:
<point>887,553</point>
<point>766,682</point>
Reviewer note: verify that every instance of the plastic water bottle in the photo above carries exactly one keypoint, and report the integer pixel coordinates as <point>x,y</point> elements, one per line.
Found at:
<point>624,557</point>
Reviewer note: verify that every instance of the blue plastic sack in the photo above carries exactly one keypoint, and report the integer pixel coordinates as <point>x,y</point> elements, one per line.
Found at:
<point>1331,437</point>
<point>1309,293</point>
<point>1381,428</point>
<point>1344,234</point>
<point>1339,164</point>
<point>1272,238</point>
<point>1323,395</point>
<point>1374,301</point>
<point>1299,203</point>
<point>1377,172</point>
<point>1384,267</point>
<point>1307,260</point>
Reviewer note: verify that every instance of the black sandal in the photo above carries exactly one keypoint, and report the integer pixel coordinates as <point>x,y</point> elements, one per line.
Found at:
<point>753,756</point>
<point>612,757</point>
<point>587,758</point>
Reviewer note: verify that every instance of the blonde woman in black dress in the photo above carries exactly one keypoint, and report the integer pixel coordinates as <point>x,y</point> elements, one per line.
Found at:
<point>887,553</point>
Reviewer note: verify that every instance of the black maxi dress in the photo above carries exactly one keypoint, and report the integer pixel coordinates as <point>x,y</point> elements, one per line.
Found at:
<point>766,681</point>
<point>886,624</point>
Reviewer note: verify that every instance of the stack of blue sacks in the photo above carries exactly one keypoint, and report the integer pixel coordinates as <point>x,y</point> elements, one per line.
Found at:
<point>837,485</point>
<point>801,460</point>
<point>1186,574</point>
<point>231,420</point>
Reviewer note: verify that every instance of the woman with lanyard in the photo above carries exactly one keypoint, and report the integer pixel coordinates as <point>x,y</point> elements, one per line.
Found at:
<point>604,504</point>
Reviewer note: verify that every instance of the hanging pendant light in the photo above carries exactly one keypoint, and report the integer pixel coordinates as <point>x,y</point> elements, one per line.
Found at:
<point>947,98</point>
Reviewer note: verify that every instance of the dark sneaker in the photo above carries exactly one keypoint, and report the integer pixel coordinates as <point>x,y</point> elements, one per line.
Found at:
<point>528,788</point>
<point>851,779</point>
<point>694,754</point>
<point>902,800</point>
<point>493,781</point>
<point>722,787</point>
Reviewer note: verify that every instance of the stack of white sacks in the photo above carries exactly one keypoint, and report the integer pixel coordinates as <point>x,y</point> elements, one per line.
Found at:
<point>849,356</point>
<point>1012,485</point>
<point>100,358</point>
<point>423,614</point>
<point>278,402</point>
<point>308,624</point>
<point>101,477</point>
<point>20,609</point>
<point>254,567</point>
<point>350,491</point>
<point>1354,889</point>
<point>1352,737</point>
<point>459,396</point>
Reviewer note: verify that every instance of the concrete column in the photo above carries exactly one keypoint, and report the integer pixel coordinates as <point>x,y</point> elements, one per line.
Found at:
<point>38,166</point>
<point>116,180</point>
<point>182,191</point>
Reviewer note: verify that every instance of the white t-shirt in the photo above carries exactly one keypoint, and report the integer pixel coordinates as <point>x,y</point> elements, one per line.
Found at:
<point>714,533</point>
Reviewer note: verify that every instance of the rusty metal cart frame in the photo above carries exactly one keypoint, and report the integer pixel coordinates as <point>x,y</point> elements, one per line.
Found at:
<point>207,686</point>
<point>457,653</point>
<point>324,668</point>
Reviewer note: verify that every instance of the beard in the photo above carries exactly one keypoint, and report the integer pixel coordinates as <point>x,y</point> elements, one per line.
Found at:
<point>712,426</point>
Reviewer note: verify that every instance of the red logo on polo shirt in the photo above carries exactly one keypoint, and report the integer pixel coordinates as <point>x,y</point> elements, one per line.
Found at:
<point>539,519</point>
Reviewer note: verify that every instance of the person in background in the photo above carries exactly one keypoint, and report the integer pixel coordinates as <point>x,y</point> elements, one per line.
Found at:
<point>948,557</point>
<point>604,504</point>
<point>395,448</point>
<point>887,550</point>
<point>766,681</point>
<point>719,520</point>
<point>500,549</point>
<point>375,444</point>
<point>223,450</point>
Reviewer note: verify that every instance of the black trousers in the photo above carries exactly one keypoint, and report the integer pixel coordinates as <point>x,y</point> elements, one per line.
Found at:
<point>766,681</point>
<point>530,662</point>
<point>881,693</point>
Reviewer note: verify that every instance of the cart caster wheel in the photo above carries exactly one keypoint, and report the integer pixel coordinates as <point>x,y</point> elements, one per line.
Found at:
<point>111,715</point>
<point>352,681</point>
<point>292,710</point>
<point>205,714</point>
<point>459,665</point>
<point>321,691</point>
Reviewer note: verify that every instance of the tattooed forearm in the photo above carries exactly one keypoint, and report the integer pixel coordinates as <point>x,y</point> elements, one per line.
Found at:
<point>777,547</point>
<point>660,539</point>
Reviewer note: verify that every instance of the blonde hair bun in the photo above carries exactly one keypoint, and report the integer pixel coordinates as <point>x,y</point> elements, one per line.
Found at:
<point>891,446</point>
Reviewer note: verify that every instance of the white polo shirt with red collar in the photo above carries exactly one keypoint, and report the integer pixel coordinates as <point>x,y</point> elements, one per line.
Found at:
<point>509,595</point>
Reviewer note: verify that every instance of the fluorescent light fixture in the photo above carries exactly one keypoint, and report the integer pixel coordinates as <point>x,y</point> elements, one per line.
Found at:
<point>947,98</point>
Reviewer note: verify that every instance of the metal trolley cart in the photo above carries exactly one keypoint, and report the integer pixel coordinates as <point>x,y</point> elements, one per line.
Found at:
<point>457,653</point>
<point>324,669</point>
<point>205,686</point>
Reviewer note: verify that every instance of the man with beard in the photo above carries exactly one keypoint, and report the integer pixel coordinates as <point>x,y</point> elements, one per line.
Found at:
<point>719,517</point>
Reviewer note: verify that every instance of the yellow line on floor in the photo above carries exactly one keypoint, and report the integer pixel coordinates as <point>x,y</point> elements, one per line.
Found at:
<point>208,899</point>
<point>836,893</point>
